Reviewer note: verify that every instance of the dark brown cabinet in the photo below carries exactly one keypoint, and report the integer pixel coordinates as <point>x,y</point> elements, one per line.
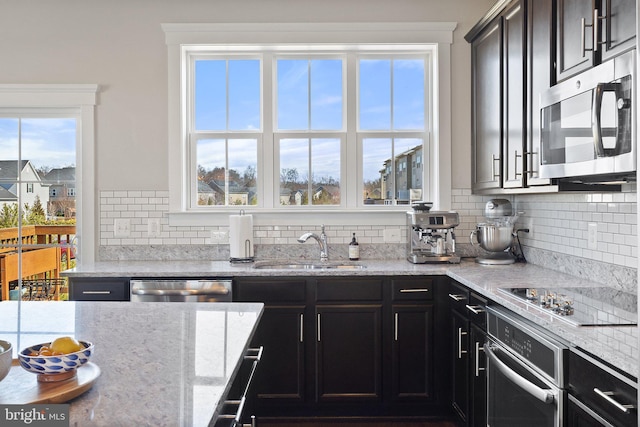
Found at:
<point>348,317</point>
<point>592,31</point>
<point>540,77</point>
<point>512,51</point>
<point>486,102</point>
<point>514,97</point>
<point>468,359</point>
<point>599,394</point>
<point>280,382</point>
<point>99,289</point>
<point>349,353</point>
<point>350,346</point>
<point>412,346</point>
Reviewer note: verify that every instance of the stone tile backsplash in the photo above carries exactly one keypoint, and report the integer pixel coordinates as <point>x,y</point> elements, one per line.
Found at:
<point>559,237</point>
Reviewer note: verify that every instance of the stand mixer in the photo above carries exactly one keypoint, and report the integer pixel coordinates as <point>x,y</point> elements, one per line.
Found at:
<point>431,235</point>
<point>496,235</point>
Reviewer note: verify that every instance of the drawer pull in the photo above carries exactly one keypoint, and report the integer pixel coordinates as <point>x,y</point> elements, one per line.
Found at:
<point>407,291</point>
<point>606,395</point>
<point>475,309</point>
<point>254,353</point>
<point>96,292</point>
<point>456,297</point>
<point>301,327</point>
<point>478,350</point>
<point>460,350</point>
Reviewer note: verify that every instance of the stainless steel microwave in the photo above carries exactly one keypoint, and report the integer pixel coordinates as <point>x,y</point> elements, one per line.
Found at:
<point>588,124</point>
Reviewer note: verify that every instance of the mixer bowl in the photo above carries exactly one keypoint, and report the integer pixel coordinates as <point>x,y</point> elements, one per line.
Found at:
<point>492,238</point>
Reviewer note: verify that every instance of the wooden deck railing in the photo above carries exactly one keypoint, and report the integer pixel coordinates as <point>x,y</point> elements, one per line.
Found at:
<point>41,249</point>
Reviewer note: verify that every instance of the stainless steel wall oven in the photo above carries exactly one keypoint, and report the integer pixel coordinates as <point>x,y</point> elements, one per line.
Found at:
<point>525,373</point>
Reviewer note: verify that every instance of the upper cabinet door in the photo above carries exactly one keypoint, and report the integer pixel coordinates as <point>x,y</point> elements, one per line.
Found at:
<point>618,27</point>
<point>574,37</point>
<point>487,65</point>
<point>540,76</point>
<point>515,58</point>
<point>592,31</point>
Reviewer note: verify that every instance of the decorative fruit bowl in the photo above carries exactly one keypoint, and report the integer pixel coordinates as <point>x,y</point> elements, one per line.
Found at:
<point>5,358</point>
<point>56,367</point>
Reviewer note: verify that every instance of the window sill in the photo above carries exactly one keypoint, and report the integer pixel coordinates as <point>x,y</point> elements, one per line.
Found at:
<point>392,217</point>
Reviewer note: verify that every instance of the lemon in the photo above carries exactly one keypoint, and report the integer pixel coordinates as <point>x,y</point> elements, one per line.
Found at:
<point>65,345</point>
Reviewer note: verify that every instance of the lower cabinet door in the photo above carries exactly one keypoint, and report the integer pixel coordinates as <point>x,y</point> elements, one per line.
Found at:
<point>412,355</point>
<point>348,353</point>
<point>478,379</point>
<point>460,365</point>
<point>280,378</point>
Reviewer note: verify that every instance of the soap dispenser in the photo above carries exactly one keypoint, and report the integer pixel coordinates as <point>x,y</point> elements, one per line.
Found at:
<point>354,249</point>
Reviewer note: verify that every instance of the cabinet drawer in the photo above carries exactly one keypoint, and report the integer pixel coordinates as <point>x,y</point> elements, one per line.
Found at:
<point>349,289</point>
<point>270,290</point>
<point>458,297</point>
<point>477,310</point>
<point>605,391</point>
<point>417,288</point>
<point>111,289</point>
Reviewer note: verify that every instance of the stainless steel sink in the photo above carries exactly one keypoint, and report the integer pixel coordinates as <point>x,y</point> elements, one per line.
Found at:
<point>288,265</point>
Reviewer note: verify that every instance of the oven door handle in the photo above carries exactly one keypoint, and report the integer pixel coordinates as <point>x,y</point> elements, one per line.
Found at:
<point>541,394</point>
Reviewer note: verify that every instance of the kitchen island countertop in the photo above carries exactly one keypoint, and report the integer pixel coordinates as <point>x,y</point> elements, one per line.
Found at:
<point>617,345</point>
<point>162,364</point>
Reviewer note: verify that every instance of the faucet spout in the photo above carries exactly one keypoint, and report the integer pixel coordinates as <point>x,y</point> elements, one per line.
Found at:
<point>322,242</point>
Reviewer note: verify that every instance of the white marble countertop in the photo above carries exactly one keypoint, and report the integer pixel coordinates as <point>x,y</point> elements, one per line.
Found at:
<point>162,364</point>
<point>616,345</point>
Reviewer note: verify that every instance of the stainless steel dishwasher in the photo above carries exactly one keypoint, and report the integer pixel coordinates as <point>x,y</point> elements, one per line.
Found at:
<point>181,290</point>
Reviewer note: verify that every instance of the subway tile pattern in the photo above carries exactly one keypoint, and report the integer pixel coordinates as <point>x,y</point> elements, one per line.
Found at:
<point>559,237</point>
<point>559,222</point>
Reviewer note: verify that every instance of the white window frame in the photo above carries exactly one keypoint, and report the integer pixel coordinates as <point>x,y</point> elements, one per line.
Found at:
<point>184,38</point>
<point>80,99</point>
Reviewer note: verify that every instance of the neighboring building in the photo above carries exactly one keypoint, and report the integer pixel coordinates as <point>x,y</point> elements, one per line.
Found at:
<point>206,195</point>
<point>31,185</point>
<point>407,180</point>
<point>62,191</point>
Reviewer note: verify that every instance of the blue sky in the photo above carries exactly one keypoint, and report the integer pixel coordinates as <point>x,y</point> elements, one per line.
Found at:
<point>309,97</point>
<point>45,141</point>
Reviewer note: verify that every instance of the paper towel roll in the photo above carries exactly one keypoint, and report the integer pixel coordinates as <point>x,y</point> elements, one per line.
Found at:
<point>241,236</point>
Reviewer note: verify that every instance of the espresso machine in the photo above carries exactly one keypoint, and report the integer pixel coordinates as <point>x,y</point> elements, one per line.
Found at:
<point>431,236</point>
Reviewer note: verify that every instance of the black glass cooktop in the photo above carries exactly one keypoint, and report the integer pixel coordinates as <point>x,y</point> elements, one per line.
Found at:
<point>589,306</point>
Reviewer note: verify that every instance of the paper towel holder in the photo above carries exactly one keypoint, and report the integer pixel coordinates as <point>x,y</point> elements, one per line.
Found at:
<point>247,249</point>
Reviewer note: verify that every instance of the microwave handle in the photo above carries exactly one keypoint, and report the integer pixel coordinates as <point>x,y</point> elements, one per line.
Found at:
<point>596,117</point>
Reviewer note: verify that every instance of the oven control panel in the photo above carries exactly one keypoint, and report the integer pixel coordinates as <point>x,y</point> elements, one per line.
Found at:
<point>530,344</point>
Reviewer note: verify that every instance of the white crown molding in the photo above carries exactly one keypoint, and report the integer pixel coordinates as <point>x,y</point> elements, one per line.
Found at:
<point>264,33</point>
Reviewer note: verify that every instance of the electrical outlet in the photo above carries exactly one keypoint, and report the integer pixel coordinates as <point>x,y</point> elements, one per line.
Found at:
<point>529,225</point>
<point>153,227</point>
<point>121,227</point>
<point>391,235</point>
<point>592,236</point>
<point>219,237</point>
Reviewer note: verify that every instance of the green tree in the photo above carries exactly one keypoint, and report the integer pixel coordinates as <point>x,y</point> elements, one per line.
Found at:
<point>35,214</point>
<point>9,215</point>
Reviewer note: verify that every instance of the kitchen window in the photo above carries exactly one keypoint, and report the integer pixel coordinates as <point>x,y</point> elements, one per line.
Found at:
<point>281,123</point>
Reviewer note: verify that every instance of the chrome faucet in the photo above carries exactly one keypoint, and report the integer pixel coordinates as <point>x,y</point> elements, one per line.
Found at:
<point>322,241</point>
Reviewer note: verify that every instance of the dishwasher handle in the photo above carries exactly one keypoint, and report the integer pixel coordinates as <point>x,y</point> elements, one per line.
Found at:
<point>181,292</point>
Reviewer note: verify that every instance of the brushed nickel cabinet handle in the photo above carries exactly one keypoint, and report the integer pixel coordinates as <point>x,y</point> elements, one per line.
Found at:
<point>607,395</point>
<point>301,327</point>
<point>407,291</point>
<point>318,327</point>
<point>475,309</point>
<point>478,350</point>
<point>460,350</point>
<point>457,297</point>
<point>395,326</point>
<point>96,292</point>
